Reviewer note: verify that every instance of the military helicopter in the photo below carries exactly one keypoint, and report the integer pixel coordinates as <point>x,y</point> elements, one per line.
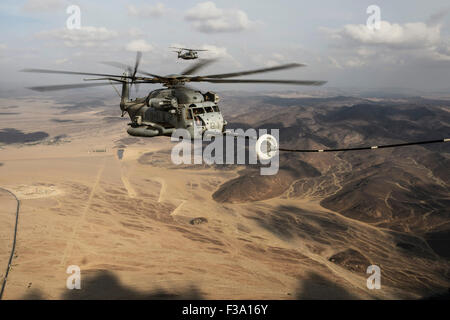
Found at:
<point>187,54</point>
<point>176,106</point>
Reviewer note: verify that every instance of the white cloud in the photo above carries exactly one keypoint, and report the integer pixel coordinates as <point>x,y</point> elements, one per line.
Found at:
<point>147,11</point>
<point>206,17</point>
<point>204,11</point>
<point>215,52</point>
<point>335,63</point>
<point>136,32</point>
<point>268,60</point>
<point>408,35</point>
<point>355,62</point>
<point>61,61</point>
<point>139,45</point>
<point>44,5</point>
<point>393,43</point>
<point>84,37</point>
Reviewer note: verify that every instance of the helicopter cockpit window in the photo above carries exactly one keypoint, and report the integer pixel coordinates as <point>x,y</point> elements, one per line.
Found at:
<point>189,114</point>
<point>208,109</point>
<point>216,108</point>
<point>198,111</point>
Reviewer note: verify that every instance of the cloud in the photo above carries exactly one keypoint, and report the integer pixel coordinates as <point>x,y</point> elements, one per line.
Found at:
<point>84,37</point>
<point>335,63</point>
<point>393,43</point>
<point>136,32</point>
<point>408,35</point>
<point>44,5</point>
<point>438,17</point>
<point>215,52</point>
<point>206,17</point>
<point>147,11</point>
<point>268,60</point>
<point>61,61</point>
<point>139,45</point>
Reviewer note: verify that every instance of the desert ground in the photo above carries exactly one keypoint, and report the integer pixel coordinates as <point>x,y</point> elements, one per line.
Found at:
<point>140,227</point>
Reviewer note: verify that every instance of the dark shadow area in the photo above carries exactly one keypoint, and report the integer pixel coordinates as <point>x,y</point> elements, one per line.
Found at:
<point>11,135</point>
<point>120,153</point>
<point>104,285</point>
<point>317,287</point>
<point>9,113</point>
<point>352,260</point>
<point>412,245</point>
<point>34,294</point>
<point>287,222</point>
<point>439,242</point>
<point>9,107</point>
<point>439,296</point>
<point>62,120</point>
<point>115,119</point>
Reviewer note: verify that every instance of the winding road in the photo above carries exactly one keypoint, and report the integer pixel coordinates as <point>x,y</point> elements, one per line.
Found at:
<point>13,249</point>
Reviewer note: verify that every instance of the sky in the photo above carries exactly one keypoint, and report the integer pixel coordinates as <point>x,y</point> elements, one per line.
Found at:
<point>410,49</point>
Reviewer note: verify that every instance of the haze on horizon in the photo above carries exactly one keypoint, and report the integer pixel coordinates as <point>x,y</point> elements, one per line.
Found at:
<point>411,50</point>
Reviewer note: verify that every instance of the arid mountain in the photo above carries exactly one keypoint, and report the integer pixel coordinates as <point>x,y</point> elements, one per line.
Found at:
<point>405,189</point>
<point>143,227</point>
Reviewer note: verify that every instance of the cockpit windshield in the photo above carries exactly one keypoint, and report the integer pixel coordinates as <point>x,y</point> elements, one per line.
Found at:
<point>198,111</point>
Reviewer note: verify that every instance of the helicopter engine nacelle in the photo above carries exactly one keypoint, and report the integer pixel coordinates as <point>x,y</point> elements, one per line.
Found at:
<point>163,103</point>
<point>211,96</point>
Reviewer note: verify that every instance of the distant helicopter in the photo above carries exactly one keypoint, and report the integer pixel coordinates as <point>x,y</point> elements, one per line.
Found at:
<point>176,106</point>
<point>187,54</point>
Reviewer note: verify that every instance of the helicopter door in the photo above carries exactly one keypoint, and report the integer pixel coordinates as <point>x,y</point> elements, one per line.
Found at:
<point>198,121</point>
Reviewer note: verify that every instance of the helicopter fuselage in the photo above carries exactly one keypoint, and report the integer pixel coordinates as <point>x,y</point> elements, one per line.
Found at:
<point>188,55</point>
<point>165,110</point>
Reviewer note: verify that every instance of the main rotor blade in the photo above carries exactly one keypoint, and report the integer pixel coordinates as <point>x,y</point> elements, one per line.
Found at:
<point>199,65</point>
<point>243,73</point>
<point>73,72</point>
<point>188,49</point>
<point>296,82</point>
<point>137,62</point>
<point>127,67</point>
<point>68,86</point>
<point>83,85</point>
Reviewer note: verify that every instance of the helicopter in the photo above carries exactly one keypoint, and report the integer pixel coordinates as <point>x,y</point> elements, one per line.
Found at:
<point>176,105</point>
<point>187,54</point>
